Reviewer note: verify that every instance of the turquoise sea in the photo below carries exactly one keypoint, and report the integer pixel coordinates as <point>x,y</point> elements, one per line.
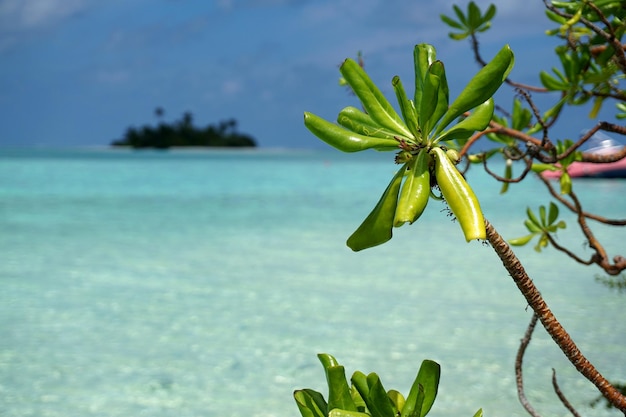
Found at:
<point>204,283</point>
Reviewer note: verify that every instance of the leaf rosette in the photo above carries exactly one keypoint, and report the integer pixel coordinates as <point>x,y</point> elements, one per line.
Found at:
<point>418,134</point>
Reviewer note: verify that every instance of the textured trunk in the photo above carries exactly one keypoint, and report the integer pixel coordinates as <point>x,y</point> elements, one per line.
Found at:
<point>549,321</point>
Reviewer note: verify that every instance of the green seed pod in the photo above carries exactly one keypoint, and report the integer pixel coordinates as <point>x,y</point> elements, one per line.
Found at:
<point>459,196</point>
<point>415,190</point>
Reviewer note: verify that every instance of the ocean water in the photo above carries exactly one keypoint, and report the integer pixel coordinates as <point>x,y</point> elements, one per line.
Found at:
<point>204,283</point>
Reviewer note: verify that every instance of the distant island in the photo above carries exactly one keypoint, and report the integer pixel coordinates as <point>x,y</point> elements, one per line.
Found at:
<point>182,133</point>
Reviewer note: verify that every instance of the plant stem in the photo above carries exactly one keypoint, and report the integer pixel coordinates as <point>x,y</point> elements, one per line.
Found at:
<point>549,321</point>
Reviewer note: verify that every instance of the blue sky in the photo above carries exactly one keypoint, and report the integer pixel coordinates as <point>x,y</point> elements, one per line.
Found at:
<point>79,72</point>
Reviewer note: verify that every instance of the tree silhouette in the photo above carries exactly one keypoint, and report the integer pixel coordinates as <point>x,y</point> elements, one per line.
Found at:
<point>182,133</point>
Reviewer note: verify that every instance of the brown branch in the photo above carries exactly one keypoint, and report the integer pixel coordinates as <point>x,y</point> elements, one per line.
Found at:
<point>561,396</point>
<point>568,252</point>
<point>572,208</point>
<point>596,158</point>
<point>481,61</point>
<point>610,38</point>
<point>516,134</point>
<point>519,358</point>
<point>549,321</point>
<point>600,257</point>
<point>520,178</point>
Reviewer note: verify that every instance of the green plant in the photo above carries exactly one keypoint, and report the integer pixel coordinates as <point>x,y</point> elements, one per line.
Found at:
<point>366,395</point>
<point>428,145</point>
<point>419,134</point>
<point>542,226</point>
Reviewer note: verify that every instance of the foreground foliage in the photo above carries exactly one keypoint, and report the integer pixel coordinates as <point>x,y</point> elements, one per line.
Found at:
<point>431,135</point>
<point>366,395</point>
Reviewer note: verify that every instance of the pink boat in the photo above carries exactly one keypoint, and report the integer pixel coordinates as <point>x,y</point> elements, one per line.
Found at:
<point>601,144</point>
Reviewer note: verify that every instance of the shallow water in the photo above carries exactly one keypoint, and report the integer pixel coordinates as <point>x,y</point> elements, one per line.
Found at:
<point>204,284</point>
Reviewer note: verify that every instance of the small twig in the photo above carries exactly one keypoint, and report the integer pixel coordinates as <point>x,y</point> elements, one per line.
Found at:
<point>519,358</point>
<point>535,111</point>
<point>497,177</point>
<point>610,38</point>
<point>560,198</point>
<point>561,396</point>
<point>481,61</point>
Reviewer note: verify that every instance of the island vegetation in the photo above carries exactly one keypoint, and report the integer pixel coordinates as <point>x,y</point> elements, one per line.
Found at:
<point>183,133</point>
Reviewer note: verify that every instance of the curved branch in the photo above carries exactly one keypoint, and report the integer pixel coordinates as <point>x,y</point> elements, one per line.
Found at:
<point>572,208</point>
<point>549,321</point>
<point>610,38</point>
<point>569,252</point>
<point>597,158</point>
<point>519,379</point>
<point>559,394</point>
<point>481,61</point>
<point>600,257</point>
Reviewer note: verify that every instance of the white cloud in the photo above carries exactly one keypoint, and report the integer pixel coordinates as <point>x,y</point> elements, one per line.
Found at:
<point>231,87</point>
<point>32,14</point>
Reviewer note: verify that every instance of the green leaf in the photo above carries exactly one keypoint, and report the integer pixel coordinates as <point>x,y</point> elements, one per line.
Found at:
<point>553,213</point>
<point>339,395</point>
<point>473,15</point>
<point>542,216</point>
<point>566,183</point>
<point>552,83</point>
<point>451,22</point>
<point>379,404</point>
<point>427,383</point>
<point>423,56</point>
<point>327,360</point>
<point>521,241</point>
<point>477,121</point>
<point>491,12</point>
<point>443,93</point>
<point>508,174</point>
<point>521,117</point>
<point>460,15</point>
<point>373,100</point>
<point>360,122</point>
<point>397,400</point>
<point>359,382</point>
<point>479,413</point>
<point>458,36</point>
<point>343,413</point>
<point>310,403</point>
<point>406,107</point>
<point>430,97</point>
<point>481,87</point>
<point>532,227</point>
<point>539,168</point>
<point>344,139</point>
<point>484,27</point>
<point>377,227</point>
<point>533,218</point>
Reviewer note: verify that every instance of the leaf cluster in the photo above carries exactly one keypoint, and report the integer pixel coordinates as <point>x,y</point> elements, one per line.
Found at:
<point>417,133</point>
<point>365,395</point>
<point>541,226</point>
<point>469,23</point>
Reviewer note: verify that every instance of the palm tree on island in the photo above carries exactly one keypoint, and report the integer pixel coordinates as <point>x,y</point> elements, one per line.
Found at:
<point>183,133</point>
